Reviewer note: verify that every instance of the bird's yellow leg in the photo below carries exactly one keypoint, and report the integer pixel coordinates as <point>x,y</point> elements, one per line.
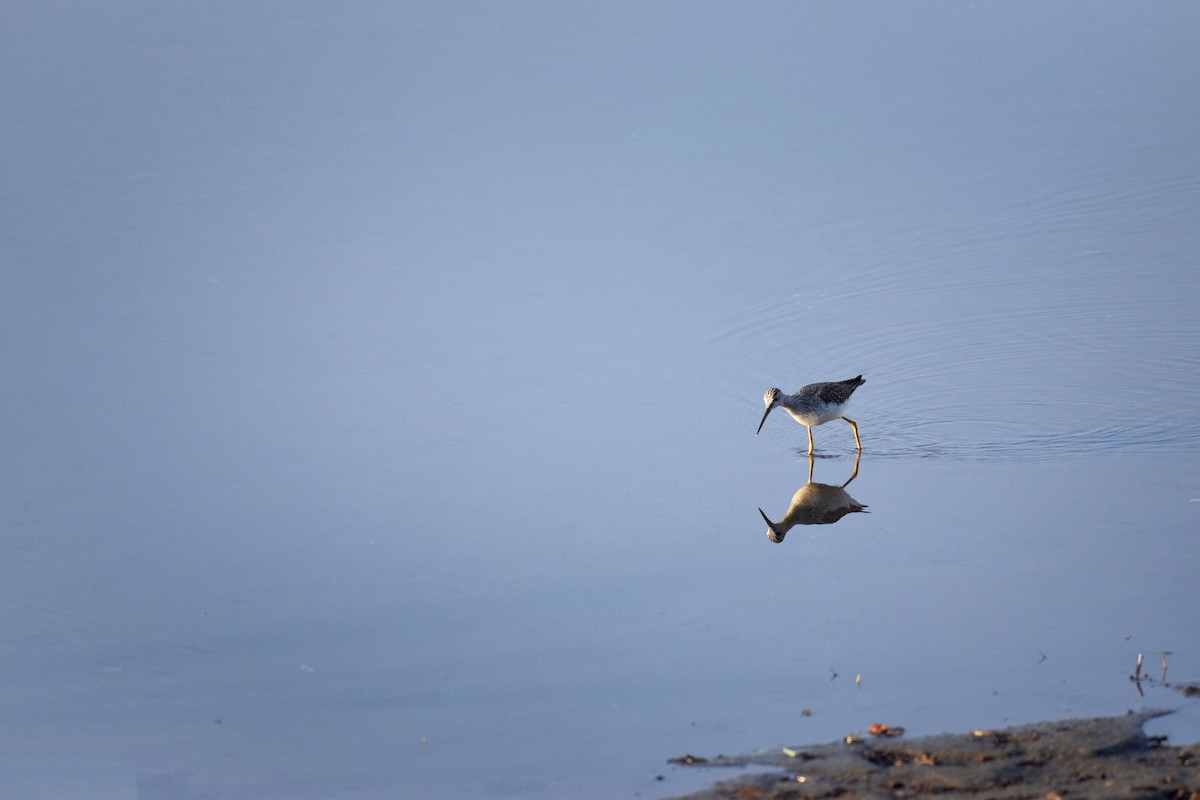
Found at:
<point>810,441</point>
<point>853,425</point>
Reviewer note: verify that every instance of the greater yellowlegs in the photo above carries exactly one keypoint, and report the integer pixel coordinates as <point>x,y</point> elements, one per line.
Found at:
<point>815,404</point>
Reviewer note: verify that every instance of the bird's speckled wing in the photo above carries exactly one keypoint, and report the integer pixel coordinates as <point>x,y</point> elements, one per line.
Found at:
<point>836,392</point>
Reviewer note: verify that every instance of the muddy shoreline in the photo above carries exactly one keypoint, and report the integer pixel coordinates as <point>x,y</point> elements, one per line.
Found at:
<point>1106,757</point>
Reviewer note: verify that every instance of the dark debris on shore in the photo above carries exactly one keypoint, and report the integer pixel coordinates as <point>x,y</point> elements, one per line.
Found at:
<point>1108,757</point>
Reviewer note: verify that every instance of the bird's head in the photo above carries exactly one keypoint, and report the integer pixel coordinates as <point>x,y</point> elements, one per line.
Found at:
<point>770,400</point>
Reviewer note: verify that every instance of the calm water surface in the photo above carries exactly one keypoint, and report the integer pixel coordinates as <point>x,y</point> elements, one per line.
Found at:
<point>381,385</point>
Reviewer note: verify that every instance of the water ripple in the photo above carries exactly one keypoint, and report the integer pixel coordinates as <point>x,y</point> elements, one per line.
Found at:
<point>1042,331</point>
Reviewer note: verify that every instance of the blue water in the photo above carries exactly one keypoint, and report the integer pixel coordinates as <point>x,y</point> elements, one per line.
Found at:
<point>381,385</point>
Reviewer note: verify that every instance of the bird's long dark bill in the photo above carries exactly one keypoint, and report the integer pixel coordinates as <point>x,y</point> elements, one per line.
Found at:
<point>764,419</point>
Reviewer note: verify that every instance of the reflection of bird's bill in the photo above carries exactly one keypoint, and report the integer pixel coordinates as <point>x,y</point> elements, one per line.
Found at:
<point>776,534</point>
<point>764,419</point>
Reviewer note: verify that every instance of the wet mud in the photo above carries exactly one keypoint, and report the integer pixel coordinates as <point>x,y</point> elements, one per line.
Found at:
<point>1107,757</point>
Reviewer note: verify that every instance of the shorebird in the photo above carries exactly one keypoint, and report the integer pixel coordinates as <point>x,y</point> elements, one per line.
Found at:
<point>815,404</point>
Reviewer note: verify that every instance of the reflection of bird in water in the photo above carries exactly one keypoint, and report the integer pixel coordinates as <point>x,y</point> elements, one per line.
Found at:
<point>815,404</point>
<point>814,504</point>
